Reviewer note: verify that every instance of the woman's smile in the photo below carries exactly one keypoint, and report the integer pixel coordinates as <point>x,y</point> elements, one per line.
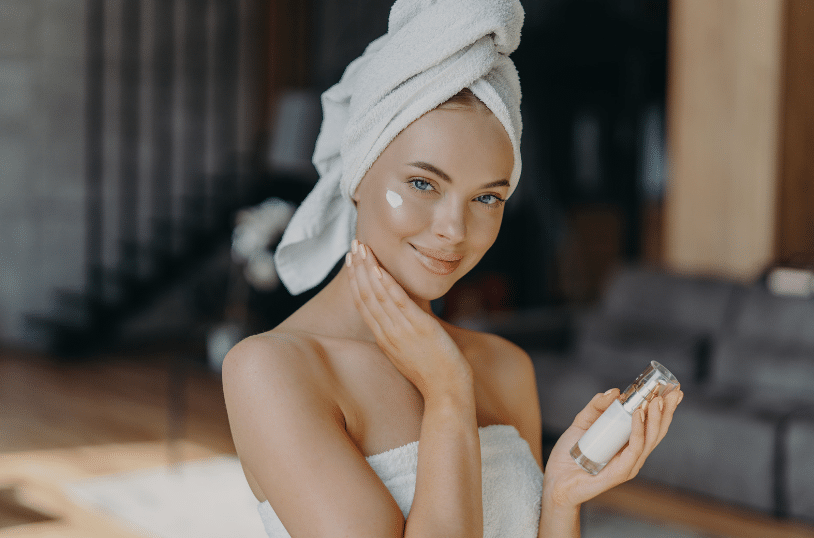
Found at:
<point>438,262</point>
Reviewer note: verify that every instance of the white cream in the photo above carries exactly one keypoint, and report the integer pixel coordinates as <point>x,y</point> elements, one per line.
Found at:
<point>393,199</point>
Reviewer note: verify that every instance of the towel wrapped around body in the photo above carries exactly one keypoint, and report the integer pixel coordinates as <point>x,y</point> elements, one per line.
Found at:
<point>431,51</point>
<point>512,484</point>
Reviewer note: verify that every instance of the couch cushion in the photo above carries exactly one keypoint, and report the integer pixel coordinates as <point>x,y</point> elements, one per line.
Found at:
<point>771,318</point>
<point>640,294</point>
<point>619,349</point>
<point>763,367</point>
<point>799,477</point>
<point>716,448</point>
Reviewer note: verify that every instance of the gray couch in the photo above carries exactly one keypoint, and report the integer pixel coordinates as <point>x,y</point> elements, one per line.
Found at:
<point>745,430</point>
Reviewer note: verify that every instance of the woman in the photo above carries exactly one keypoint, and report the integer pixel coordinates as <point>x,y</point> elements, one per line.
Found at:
<point>363,414</point>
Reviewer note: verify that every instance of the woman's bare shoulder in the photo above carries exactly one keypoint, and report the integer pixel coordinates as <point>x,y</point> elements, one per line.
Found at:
<point>274,343</point>
<point>274,356</point>
<point>290,435</point>
<point>496,353</point>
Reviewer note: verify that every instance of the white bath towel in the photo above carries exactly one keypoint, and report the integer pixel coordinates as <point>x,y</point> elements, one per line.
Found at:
<point>432,50</point>
<point>512,484</point>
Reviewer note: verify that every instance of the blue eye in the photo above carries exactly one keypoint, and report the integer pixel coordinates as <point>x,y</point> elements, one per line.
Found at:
<point>489,199</point>
<point>421,184</point>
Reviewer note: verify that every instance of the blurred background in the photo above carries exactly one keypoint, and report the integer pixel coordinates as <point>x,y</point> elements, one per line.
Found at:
<point>152,151</point>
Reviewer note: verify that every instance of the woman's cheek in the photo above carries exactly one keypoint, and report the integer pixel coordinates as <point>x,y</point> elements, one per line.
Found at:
<point>406,214</point>
<point>391,217</point>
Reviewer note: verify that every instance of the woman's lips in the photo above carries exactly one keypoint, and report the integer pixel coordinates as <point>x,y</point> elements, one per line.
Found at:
<point>438,261</point>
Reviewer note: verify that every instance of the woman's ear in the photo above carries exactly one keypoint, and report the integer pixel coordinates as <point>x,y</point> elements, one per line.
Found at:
<point>355,195</point>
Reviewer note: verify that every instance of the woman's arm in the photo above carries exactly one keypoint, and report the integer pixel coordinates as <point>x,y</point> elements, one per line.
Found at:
<point>290,436</point>
<point>448,498</point>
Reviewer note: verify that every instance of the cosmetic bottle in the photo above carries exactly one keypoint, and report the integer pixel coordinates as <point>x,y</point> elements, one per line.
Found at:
<point>612,429</point>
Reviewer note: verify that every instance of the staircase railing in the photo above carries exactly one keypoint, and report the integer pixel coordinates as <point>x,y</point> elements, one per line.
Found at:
<point>170,94</point>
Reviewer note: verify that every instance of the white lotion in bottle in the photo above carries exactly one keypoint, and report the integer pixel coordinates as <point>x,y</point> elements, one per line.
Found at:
<point>612,429</point>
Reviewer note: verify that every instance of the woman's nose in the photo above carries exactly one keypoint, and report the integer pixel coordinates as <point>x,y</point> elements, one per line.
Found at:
<point>450,221</point>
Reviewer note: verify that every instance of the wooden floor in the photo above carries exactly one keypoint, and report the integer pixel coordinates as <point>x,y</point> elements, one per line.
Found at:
<point>61,422</point>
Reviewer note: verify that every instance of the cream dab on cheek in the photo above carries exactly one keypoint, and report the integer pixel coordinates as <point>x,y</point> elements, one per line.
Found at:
<point>393,199</point>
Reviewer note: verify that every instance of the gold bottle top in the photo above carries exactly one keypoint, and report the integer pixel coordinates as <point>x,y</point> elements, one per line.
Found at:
<point>656,380</point>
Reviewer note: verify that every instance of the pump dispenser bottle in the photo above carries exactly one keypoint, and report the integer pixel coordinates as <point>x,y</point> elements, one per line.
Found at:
<point>612,429</point>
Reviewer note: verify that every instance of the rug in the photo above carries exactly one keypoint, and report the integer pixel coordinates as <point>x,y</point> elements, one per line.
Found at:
<point>209,498</point>
<point>200,499</point>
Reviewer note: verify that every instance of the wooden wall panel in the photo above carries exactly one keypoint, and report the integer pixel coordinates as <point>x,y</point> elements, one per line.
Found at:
<point>795,208</point>
<point>724,80</point>
<point>287,40</point>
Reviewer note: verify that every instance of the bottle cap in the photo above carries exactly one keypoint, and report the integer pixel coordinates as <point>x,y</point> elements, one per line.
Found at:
<point>656,380</point>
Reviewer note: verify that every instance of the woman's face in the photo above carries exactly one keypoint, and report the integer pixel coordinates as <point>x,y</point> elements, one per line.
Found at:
<point>432,203</point>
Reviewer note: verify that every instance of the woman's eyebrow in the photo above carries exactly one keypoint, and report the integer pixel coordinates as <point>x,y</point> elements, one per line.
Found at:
<point>443,175</point>
<point>432,169</point>
<point>498,183</point>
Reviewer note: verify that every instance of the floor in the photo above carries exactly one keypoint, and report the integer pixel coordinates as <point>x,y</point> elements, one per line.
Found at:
<point>64,422</point>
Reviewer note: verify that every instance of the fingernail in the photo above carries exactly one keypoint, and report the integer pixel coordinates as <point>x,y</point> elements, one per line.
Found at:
<point>680,397</point>
<point>354,245</point>
<point>347,259</point>
<point>641,415</point>
<point>364,252</point>
<point>661,405</point>
<point>378,272</point>
<point>608,391</point>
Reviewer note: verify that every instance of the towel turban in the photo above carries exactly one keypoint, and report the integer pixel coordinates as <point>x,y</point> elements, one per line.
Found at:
<point>431,51</point>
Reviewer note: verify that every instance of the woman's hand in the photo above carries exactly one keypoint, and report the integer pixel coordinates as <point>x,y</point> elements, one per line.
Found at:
<point>412,339</point>
<point>566,484</point>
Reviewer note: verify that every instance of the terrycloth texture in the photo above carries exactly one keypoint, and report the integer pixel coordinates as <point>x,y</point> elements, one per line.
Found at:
<point>432,50</point>
<point>512,484</point>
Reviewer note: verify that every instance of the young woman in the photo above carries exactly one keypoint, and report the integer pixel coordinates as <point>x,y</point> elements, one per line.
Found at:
<point>365,415</point>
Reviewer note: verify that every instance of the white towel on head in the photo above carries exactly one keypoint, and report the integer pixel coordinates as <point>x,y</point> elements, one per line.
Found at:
<point>432,50</point>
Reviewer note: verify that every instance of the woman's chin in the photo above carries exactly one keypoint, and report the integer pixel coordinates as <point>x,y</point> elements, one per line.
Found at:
<point>427,289</point>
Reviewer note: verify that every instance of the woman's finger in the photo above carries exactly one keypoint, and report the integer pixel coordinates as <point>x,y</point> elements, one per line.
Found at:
<point>360,302</point>
<point>364,280</point>
<point>671,402</point>
<point>401,300</point>
<point>376,276</point>
<point>652,428</point>
<point>625,463</point>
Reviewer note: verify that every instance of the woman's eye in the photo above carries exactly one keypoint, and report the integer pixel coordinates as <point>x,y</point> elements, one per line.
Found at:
<point>489,199</point>
<point>421,184</point>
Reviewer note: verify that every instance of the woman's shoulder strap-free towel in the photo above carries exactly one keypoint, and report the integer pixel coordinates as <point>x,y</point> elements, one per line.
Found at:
<point>512,484</point>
